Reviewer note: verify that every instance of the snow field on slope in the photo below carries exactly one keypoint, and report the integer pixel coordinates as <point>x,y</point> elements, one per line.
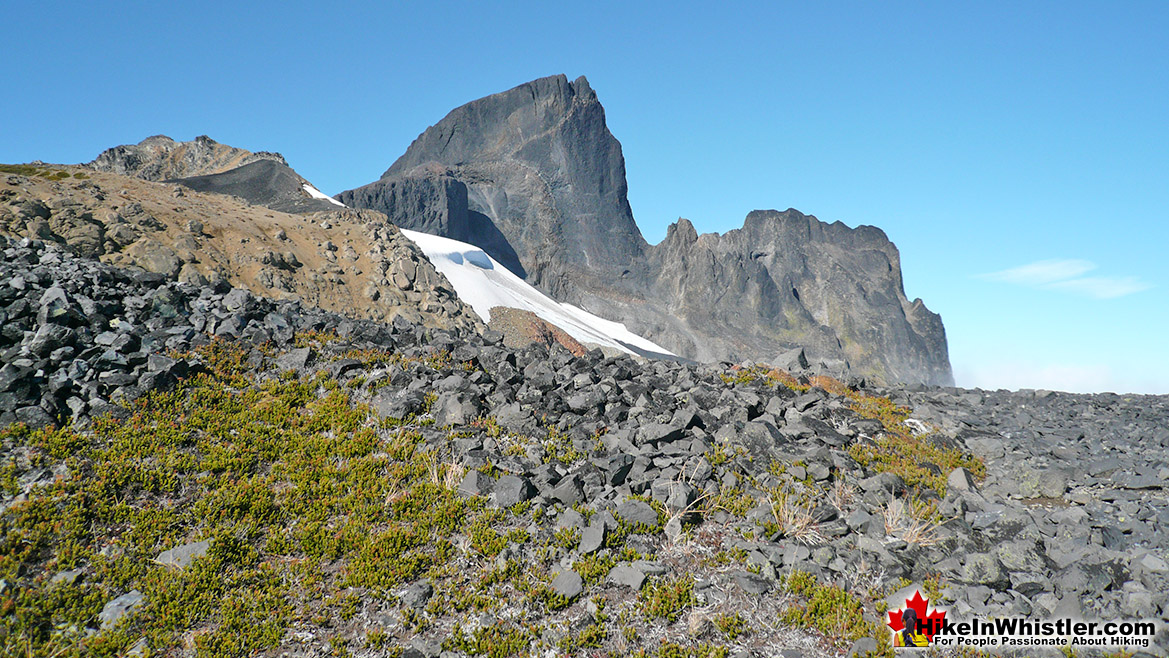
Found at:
<point>317,194</point>
<point>482,283</point>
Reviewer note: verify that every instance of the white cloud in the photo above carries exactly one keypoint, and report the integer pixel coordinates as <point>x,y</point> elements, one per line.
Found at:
<point>1066,275</point>
<point>1041,272</point>
<point>1102,287</point>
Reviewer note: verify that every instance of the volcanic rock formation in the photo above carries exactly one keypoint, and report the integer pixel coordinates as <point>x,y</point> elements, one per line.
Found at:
<point>534,177</point>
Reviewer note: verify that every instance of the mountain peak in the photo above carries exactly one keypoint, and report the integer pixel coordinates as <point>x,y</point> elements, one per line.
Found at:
<point>582,89</point>
<point>541,168</point>
<point>534,173</point>
<point>159,157</point>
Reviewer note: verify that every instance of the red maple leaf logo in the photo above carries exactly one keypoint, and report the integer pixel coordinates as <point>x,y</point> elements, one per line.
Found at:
<point>931,621</point>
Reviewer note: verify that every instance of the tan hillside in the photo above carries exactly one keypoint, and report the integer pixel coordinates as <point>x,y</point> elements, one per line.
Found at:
<point>348,261</point>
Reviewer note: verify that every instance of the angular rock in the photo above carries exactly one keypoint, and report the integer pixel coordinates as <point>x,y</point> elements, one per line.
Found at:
<point>637,512</point>
<point>416,595</point>
<point>627,575</point>
<point>181,556</point>
<point>117,609</point>
<point>568,584</point>
<point>592,539</point>
<point>512,490</point>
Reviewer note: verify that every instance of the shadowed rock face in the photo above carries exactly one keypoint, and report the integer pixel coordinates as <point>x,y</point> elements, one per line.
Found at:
<point>433,201</point>
<point>263,183</point>
<point>161,158</point>
<point>534,177</point>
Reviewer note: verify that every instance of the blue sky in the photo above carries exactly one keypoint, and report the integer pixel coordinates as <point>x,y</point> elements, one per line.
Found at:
<point>1017,153</point>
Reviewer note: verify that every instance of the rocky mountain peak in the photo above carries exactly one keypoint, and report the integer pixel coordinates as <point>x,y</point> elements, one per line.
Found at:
<point>159,158</point>
<point>681,231</point>
<point>545,184</point>
<point>533,176</point>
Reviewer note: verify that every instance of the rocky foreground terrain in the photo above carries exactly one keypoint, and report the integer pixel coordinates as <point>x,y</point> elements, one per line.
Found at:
<point>190,469</point>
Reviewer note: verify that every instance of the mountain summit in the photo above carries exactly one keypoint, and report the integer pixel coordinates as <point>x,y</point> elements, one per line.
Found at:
<point>533,176</point>
<point>541,169</point>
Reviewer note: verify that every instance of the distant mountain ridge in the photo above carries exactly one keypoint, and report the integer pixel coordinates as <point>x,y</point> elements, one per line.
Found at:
<point>160,158</point>
<point>203,164</point>
<point>533,176</point>
<point>263,183</point>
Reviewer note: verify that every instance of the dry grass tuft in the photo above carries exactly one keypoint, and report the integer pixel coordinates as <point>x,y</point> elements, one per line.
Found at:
<point>904,522</point>
<point>842,495</point>
<point>795,520</point>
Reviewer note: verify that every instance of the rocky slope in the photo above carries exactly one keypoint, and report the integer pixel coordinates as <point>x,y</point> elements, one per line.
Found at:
<point>534,177</point>
<point>310,485</point>
<point>263,183</point>
<point>343,260</point>
<point>160,158</point>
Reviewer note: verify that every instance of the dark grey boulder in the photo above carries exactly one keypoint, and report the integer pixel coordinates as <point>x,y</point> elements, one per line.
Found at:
<point>751,583</point>
<point>627,575</point>
<point>592,538</point>
<point>511,490</point>
<point>299,359</point>
<point>475,484</point>
<point>455,408</point>
<point>985,569</point>
<point>635,511</point>
<point>416,595</point>
<point>570,490</point>
<point>397,403</point>
<point>568,584</point>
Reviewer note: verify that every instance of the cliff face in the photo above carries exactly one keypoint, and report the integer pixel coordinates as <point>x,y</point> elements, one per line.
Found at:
<point>534,177</point>
<point>542,168</point>
<point>788,279</point>
<point>432,200</point>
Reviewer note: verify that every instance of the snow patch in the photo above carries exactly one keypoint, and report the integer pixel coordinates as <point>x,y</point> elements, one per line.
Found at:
<point>317,194</point>
<point>482,283</point>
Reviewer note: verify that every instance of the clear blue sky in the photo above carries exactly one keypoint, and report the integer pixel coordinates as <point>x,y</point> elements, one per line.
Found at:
<point>982,137</point>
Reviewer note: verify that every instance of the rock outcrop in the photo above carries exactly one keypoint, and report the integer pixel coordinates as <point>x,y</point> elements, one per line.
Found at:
<point>786,279</point>
<point>161,158</point>
<point>534,177</point>
<point>261,178</point>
